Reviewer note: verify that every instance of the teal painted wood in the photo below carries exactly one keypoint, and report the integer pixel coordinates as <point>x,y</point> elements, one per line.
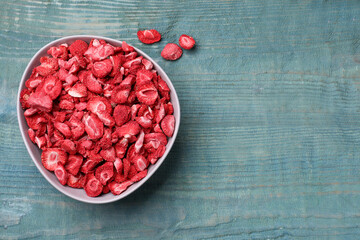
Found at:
<point>269,142</point>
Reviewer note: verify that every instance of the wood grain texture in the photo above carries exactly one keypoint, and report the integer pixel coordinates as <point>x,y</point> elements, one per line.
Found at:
<point>268,146</point>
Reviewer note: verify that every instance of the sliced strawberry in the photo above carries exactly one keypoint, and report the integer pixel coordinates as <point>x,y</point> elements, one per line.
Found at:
<point>106,189</point>
<point>105,141</point>
<point>61,173</point>
<point>116,61</point>
<point>33,82</point>
<point>149,36</point>
<point>130,56</point>
<point>118,164</point>
<point>139,142</point>
<point>77,128</point>
<point>63,128</point>
<point>157,129</point>
<point>24,96</point>
<point>52,87</point>
<point>99,52</point>
<point>108,154</point>
<point>147,93</point>
<point>59,52</point>
<point>78,47</point>
<point>120,94</point>
<point>92,83</point>
<point>121,147</point>
<point>144,122</point>
<point>169,109</point>
<point>126,47</point>
<point>105,172</point>
<point>93,126</point>
<point>168,125</point>
<point>30,111</point>
<point>48,66</point>
<point>90,163</point>
<point>128,81</point>
<point>40,141</point>
<point>160,113</point>
<point>134,110</point>
<point>186,42</point>
<point>51,156</point>
<point>119,177</point>
<point>118,188</point>
<point>68,146</point>
<point>133,62</point>
<point>84,145</point>
<point>126,164</point>
<point>143,77</point>
<point>102,68</point>
<point>131,128</point>
<point>140,162</point>
<point>93,186</point>
<point>76,181</point>
<point>34,121</point>
<point>78,90</point>
<point>147,64</point>
<point>122,114</point>
<point>157,137</point>
<point>66,104</point>
<point>171,52</point>
<point>73,164</point>
<point>132,172</point>
<point>154,156</point>
<point>31,134</point>
<point>40,101</point>
<point>139,176</point>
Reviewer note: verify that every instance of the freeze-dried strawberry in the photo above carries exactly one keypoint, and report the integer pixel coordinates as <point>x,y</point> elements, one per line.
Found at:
<point>139,176</point>
<point>61,174</point>
<point>120,147</point>
<point>118,164</point>
<point>171,52</point>
<point>92,83</point>
<point>50,157</point>
<point>168,125</point>
<point>73,164</point>
<point>102,68</point>
<point>160,113</point>
<point>131,128</point>
<point>66,104</point>
<point>120,94</point>
<point>93,186</point>
<point>119,177</point>
<point>186,42</point>
<point>133,62</point>
<point>34,121</point>
<point>40,101</point>
<point>106,189</point>
<point>41,130</point>
<point>169,109</point>
<point>121,114</point>
<point>77,128</point>
<point>134,110</point>
<point>108,154</point>
<point>156,137</point>
<point>52,87</point>
<point>116,61</point>
<point>130,56</point>
<point>149,36</point>
<point>33,82</point>
<point>118,188</point>
<point>93,126</point>
<point>162,85</point>
<point>147,93</point>
<point>40,141</point>
<point>63,128</point>
<point>68,146</point>
<point>105,141</point>
<point>31,134</point>
<point>132,98</point>
<point>48,66</point>
<point>143,77</point>
<point>90,163</point>
<point>59,52</point>
<point>139,142</point>
<point>144,122</point>
<point>80,106</point>
<point>78,90</point>
<point>76,181</point>
<point>99,52</point>
<point>78,47</point>
<point>30,111</point>
<point>24,96</point>
<point>157,129</point>
<point>140,162</point>
<point>99,104</point>
<point>126,47</point>
<point>126,166</point>
<point>84,145</point>
<point>155,155</point>
<point>147,64</point>
<point>105,172</point>
<point>132,172</point>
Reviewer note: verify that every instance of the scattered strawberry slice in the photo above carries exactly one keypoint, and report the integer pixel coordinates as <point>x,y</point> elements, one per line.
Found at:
<point>50,157</point>
<point>61,173</point>
<point>73,164</point>
<point>40,101</point>
<point>149,36</point>
<point>105,172</point>
<point>171,52</point>
<point>168,125</point>
<point>118,188</point>
<point>186,42</point>
<point>93,186</point>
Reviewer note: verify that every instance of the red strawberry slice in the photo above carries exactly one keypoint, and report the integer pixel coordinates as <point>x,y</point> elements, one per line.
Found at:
<point>68,146</point>
<point>93,186</point>
<point>171,52</point>
<point>120,94</point>
<point>98,104</point>
<point>157,129</point>
<point>118,164</point>
<point>59,116</point>
<point>33,82</point>
<point>31,134</point>
<point>52,87</point>
<point>35,121</point>
<point>99,52</point>
<point>30,112</point>
<point>77,181</point>
<point>40,141</point>
<point>128,81</point>
<point>24,96</point>
<point>73,164</point>
<point>63,128</point>
<point>61,174</point>
<point>116,61</point>
<point>160,113</point>
<point>168,125</point>
<point>126,47</point>
<point>144,122</point>
<point>147,93</point>
<point>118,188</point>
<point>121,147</point>
<point>132,172</point>
<point>132,63</point>
<point>93,126</point>
<point>102,68</point>
<point>105,172</point>
<point>134,110</point>
<point>139,142</point>
<point>78,90</point>
<point>169,109</point>
<point>122,114</point>
<point>59,52</point>
<point>131,128</point>
<point>66,104</point>
<point>130,56</point>
<point>149,36</point>
<point>126,164</point>
<point>140,162</point>
<point>105,141</point>
<point>40,101</point>
<point>186,42</point>
<point>78,47</point>
<point>50,157</point>
<point>154,156</point>
<point>48,66</point>
<point>108,154</point>
<point>139,176</point>
<point>156,137</point>
<point>147,64</point>
<point>106,189</point>
<point>90,163</point>
<point>119,178</point>
<point>77,128</point>
<point>162,85</point>
<point>143,77</point>
<point>84,145</point>
<point>92,83</point>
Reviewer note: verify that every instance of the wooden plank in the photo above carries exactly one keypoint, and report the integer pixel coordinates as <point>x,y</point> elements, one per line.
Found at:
<point>268,145</point>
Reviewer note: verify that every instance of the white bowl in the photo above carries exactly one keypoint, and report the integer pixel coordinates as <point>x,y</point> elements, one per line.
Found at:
<point>35,152</point>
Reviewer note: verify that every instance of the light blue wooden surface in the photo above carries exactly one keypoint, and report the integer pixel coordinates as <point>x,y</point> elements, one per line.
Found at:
<point>269,142</point>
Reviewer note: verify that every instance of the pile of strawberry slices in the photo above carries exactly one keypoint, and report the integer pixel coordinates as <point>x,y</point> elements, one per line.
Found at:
<point>100,113</point>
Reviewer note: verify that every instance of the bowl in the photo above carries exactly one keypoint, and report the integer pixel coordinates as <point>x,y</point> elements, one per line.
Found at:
<point>35,152</point>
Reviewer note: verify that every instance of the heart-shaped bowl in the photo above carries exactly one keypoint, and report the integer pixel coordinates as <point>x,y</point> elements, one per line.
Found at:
<point>35,152</point>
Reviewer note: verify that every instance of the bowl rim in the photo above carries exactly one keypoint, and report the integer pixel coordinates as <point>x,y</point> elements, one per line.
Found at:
<point>25,137</point>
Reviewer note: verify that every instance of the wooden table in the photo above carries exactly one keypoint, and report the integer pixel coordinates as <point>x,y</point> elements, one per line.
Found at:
<point>268,146</point>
